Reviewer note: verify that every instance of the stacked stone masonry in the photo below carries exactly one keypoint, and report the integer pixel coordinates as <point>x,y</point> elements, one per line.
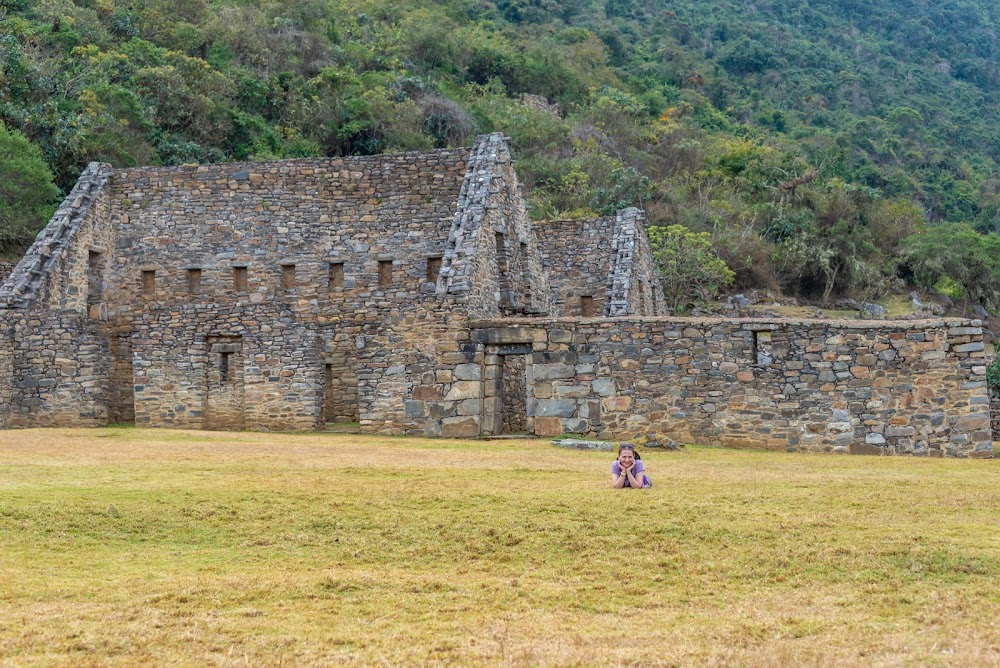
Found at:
<point>411,294</point>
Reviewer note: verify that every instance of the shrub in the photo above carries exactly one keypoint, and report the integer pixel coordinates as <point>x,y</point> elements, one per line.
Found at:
<point>690,269</point>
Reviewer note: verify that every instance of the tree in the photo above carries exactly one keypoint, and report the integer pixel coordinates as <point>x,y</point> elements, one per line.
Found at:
<point>955,251</point>
<point>688,266</point>
<point>28,196</point>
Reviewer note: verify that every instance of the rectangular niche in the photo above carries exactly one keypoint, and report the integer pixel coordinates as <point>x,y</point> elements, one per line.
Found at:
<point>148,282</point>
<point>433,268</point>
<point>287,277</point>
<point>762,351</point>
<point>240,279</point>
<point>193,281</point>
<point>95,277</point>
<point>384,273</point>
<point>335,278</point>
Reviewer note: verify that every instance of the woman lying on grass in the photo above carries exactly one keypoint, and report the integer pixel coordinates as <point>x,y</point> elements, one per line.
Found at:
<point>627,470</point>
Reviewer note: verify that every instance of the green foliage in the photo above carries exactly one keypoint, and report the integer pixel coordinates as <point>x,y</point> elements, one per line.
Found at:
<point>688,265</point>
<point>27,194</point>
<point>956,252</point>
<point>993,373</point>
<point>806,140</point>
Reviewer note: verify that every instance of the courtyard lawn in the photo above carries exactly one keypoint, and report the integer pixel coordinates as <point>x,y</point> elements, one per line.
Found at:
<point>123,547</point>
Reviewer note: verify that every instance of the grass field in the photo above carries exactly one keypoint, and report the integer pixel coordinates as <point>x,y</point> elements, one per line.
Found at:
<point>122,547</point>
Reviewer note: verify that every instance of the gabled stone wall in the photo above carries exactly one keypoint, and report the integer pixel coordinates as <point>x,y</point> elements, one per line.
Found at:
<point>576,255</point>
<point>57,272</point>
<point>284,224</point>
<point>492,263</point>
<point>633,286</point>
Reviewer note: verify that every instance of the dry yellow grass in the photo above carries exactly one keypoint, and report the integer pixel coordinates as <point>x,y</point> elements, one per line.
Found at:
<point>125,547</point>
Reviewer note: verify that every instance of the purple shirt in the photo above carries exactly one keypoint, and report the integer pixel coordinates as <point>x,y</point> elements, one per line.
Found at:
<point>616,470</point>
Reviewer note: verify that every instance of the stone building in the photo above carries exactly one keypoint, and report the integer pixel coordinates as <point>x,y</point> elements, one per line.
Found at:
<point>411,294</point>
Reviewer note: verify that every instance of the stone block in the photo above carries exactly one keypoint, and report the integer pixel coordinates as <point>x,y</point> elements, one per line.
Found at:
<point>973,347</point>
<point>468,372</point>
<point>542,390</point>
<point>729,368</point>
<point>415,409</point>
<point>469,407</point>
<point>560,336</point>
<point>463,389</point>
<point>548,426</point>
<point>616,404</point>
<point>442,409</point>
<point>460,427</point>
<point>603,387</point>
<point>865,449</point>
<point>972,422</point>
<point>427,393</point>
<point>552,408</point>
<point>552,371</point>
<point>572,391</point>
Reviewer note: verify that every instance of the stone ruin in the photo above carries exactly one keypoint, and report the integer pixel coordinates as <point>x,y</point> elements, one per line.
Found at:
<point>411,294</point>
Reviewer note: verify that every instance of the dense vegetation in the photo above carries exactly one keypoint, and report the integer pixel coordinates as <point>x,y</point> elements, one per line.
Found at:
<point>808,139</point>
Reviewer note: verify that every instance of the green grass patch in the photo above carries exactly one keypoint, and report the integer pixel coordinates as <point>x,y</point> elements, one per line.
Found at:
<point>126,547</point>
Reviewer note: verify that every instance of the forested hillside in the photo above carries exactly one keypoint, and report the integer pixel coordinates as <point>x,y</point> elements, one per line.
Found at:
<point>826,146</point>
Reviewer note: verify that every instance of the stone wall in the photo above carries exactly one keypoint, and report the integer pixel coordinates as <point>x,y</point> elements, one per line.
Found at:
<point>61,269</point>
<point>316,235</point>
<point>601,266</point>
<point>577,256</point>
<point>915,387</point>
<point>633,286</point>
<point>284,295</point>
<point>59,371</point>
<point>492,263</point>
<point>6,370</point>
<point>275,368</point>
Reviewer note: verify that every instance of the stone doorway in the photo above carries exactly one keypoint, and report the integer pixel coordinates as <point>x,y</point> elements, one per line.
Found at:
<point>513,394</point>
<point>224,400</point>
<point>340,391</point>
<point>121,399</point>
<point>506,391</point>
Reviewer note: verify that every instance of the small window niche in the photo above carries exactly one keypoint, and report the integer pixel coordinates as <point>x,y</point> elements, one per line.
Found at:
<point>224,375</point>
<point>501,243</point>
<point>384,273</point>
<point>240,280</point>
<point>194,281</point>
<point>587,306</point>
<point>336,275</point>
<point>148,282</point>
<point>288,277</point>
<point>762,348</point>
<point>95,277</point>
<point>433,268</point>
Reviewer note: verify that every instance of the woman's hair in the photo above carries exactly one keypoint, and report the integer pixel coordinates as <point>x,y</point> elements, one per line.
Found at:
<point>628,446</point>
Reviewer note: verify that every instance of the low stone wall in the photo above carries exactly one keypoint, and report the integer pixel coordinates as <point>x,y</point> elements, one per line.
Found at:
<point>914,387</point>
<point>59,370</point>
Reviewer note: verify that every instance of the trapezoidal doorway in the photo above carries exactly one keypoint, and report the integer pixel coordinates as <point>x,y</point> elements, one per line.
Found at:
<point>506,391</point>
<point>224,402</point>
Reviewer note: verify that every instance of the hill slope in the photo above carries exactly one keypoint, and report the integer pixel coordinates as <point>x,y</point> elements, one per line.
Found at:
<point>808,138</point>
